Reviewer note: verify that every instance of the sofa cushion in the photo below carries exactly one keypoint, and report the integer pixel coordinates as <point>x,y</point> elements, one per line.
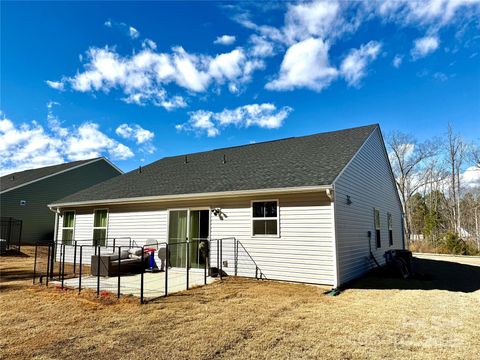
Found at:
<point>135,251</point>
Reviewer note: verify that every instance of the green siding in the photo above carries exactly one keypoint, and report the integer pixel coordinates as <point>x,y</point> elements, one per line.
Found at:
<point>38,220</point>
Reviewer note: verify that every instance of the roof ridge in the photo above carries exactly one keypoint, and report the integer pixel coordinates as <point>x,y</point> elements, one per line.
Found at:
<point>267,141</point>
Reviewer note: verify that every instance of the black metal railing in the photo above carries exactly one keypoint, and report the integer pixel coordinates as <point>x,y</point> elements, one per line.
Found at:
<point>150,271</point>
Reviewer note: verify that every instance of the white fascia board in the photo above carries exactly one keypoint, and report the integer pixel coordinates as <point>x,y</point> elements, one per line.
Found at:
<point>199,196</point>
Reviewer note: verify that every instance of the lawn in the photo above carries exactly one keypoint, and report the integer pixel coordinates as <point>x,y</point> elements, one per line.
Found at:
<point>436,317</point>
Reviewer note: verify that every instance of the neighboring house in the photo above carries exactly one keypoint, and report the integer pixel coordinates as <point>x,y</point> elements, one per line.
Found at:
<point>307,209</point>
<point>25,195</point>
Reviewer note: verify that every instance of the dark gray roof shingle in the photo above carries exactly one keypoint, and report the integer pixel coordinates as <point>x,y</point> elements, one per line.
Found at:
<point>23,177</point>
<point>293,162</point>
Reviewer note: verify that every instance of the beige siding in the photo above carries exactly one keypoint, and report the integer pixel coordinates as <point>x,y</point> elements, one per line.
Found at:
<point>303,252</point>
<point>369,183</point>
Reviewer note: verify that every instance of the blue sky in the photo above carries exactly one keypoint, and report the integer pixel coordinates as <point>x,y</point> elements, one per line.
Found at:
<point>139,81</point>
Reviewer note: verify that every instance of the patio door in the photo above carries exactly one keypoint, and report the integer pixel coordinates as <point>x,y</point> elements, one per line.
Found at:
<point>191,225</point>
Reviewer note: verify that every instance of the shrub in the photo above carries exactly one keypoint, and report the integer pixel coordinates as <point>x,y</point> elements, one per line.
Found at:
<point>453,244</point>
<point>450,243</point>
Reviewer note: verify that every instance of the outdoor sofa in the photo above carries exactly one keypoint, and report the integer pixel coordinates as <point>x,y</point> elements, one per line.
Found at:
<point>130,261</point>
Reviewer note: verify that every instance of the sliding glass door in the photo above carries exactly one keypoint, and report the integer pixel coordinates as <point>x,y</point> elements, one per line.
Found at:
<point>177,235</point>
<point>192,225</point>
<point>199,231</point>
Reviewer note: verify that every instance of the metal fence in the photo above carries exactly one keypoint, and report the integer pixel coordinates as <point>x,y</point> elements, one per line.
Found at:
<point>149,271</point>
<point>11,231</point>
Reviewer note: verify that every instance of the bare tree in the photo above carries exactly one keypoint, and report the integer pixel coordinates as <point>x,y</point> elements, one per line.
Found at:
<point>475,154</point>
<point>457,151</point>
<point>409,160</point>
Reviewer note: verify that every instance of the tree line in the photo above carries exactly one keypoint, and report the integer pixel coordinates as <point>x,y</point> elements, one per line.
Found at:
<point>441,208</point>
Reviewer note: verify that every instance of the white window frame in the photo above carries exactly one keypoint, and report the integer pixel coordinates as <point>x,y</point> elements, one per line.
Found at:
<point>69,228</point>
<point>252,219</point>
<point>390,228</point>
<point>188,220</point>
<point>97,227</point>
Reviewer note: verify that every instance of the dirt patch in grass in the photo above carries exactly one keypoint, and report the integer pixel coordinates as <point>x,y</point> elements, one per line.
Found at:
<point>240,318</point>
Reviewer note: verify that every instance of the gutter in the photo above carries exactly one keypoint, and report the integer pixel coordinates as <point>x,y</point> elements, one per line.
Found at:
<point>199,196</point>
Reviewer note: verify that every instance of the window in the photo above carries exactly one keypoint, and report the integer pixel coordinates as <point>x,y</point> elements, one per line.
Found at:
<point>264,218</point>
<point>100,223</point>
<point>390,229</point>
<point>377,228</point>
<point>68,226</point>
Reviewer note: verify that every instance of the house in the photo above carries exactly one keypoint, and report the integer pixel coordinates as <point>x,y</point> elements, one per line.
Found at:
<point>311,209</point>
<point>25,195</point>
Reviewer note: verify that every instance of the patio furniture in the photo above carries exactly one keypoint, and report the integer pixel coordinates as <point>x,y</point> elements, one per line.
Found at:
<point>128,260</point>
<point>150,255</point>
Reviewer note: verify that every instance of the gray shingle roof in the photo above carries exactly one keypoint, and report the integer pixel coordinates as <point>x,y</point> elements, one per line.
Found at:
<point>293,162</point>
<point>23,177</point>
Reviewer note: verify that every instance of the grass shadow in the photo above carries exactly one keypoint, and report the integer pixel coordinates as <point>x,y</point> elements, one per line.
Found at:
<point>429,275</point>
<point>15,253</point>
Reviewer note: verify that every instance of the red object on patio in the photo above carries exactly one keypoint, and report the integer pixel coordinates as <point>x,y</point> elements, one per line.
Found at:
<point>151,251</point>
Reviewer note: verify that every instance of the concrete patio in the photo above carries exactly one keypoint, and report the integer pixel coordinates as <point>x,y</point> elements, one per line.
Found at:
<point>154,283</point>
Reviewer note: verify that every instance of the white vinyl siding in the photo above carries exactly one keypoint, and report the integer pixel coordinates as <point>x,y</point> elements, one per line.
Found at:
<point>369,183</point>
<point>303,250</point>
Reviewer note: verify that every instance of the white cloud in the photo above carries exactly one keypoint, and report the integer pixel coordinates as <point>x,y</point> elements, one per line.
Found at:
<point>188,72</point>
<point>397,61</point>
<point>440,76</point>
<point>228,67</point>
<point>354,66</point>
<point>261,47</point>
<point>470,178</point>
<point>53,122</point>
<point>87,141</point>
<point>305,65</point>
<point>210,123</point>
<point>127,29</point>
<point>149,44</point>
<point>57,85</point>
<point>200,121</point>
<point>315,19</point>
<point>135,132</point>
<point>427,12</point>
<point>133,32</point>
<point>141,136</point>
<point>424,46</point>
<point>328,21</point>
<point>31,145</point>
<point>143,76</point>
<point>225,40</point>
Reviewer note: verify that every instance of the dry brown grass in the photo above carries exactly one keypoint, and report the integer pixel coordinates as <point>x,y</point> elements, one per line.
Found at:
<point>245,319</point>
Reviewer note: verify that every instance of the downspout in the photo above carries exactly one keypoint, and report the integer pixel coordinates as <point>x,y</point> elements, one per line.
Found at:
<point>336,282</point>
<point>56,211</point>
<point>55,232</point>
